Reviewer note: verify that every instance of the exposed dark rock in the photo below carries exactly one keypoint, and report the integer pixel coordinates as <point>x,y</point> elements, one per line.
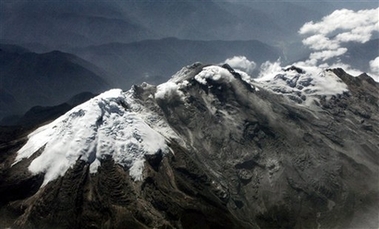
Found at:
<point>294,68</point>
<point>305,82</point>
<point>245,176</point>
<point>154,160</point>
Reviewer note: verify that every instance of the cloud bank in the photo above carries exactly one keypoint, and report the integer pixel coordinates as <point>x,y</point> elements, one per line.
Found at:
<point>327,36</point>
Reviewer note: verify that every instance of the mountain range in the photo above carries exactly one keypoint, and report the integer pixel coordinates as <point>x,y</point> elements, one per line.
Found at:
<point>32,79</point>
<point>295,149</point>
<point>69,23</point>
<point>49,25</point>
<point>153,60</point>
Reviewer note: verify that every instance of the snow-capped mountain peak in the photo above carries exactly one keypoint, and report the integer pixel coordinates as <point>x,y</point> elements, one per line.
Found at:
<point>116,124</point>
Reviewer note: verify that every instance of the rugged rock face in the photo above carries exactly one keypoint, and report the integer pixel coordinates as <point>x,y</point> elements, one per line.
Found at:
<point>241,154</point>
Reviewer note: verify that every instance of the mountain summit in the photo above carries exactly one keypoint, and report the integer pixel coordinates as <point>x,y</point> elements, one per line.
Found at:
<point>297,148</point>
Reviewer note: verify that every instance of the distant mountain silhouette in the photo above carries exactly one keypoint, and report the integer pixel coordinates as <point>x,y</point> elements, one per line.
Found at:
<point>207,20</point>
<point>154,61</point>
<point>40,25</point>
<point>13,48</point>
<point>29,79</point>
<point>359,55</point>
<point>57,23</point>
<point>39,114</point>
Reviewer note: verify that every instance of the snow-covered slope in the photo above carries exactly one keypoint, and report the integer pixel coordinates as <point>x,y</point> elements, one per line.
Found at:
<point>112,123</point>
<point>303,85</point>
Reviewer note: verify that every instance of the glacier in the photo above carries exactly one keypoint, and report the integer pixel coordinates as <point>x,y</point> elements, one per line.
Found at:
<point>91,131</point>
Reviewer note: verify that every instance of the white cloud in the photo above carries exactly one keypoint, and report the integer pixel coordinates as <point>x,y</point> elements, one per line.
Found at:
<point>327,54</point>
<point>342,20</point>
<point>327,38</point>
<point>241,63</point>
<point>328,35</point>
<point>320,42</point>
<point>168,90</point>
<point>374,65</point>
<point>269,69</point>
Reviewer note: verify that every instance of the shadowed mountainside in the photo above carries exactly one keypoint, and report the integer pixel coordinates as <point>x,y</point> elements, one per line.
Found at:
<point>29,79</point>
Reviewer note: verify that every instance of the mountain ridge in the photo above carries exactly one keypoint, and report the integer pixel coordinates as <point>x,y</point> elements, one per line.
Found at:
<point>241,155</point>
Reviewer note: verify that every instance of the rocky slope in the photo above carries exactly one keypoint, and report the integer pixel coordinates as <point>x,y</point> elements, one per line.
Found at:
<point>211,148</point>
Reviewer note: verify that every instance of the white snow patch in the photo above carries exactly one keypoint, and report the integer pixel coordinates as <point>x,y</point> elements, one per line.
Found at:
<point>305,86</point>
<point>244,76</point>
<point>137,169</point>
<point>93,130</point>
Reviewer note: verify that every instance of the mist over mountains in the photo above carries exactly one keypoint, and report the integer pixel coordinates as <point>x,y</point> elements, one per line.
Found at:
<point>29,79</point>
<point>73,23</point>
<point>82,23</point>
<point>153,60</point>
<point>128,42</point>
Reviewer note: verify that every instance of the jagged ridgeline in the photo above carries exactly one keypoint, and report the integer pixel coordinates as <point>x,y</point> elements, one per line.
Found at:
<point>210,148</point>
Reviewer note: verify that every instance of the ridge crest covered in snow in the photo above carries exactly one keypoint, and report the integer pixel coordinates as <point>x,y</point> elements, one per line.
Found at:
<point>116,124</point>
<point>303,85</point>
